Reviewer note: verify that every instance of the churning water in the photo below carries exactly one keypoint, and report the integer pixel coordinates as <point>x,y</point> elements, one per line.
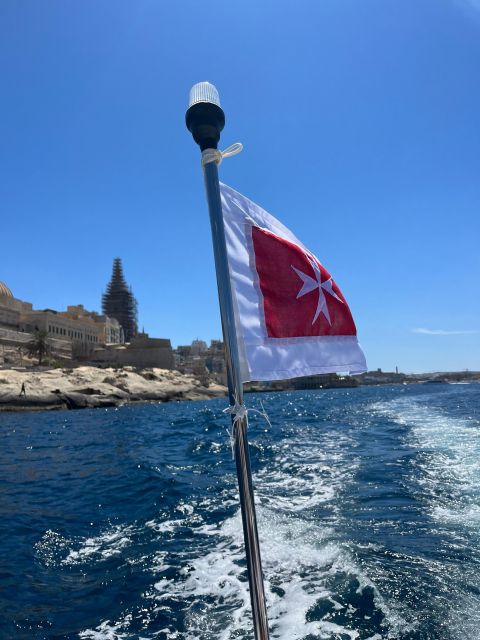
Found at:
<point>124,524</point>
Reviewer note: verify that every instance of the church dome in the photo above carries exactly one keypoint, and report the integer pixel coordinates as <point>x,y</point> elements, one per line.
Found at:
<point>5,291</point>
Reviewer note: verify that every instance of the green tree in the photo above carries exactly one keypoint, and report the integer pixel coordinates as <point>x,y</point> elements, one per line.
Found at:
<point>39,346</point>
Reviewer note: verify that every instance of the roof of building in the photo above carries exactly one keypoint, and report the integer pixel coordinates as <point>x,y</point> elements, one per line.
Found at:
<point>5,291</point>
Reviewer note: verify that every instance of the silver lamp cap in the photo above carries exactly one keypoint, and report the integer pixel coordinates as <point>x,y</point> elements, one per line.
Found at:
<point>204,92</point>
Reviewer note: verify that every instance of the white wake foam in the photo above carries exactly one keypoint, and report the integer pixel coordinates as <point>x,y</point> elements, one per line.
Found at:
<point>209,598</point>
<point>448,481</point>
<point>449,459</point>
<point>55,550</point>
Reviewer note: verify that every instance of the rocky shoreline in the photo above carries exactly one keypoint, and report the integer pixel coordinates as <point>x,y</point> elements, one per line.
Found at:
<point>92,387</point>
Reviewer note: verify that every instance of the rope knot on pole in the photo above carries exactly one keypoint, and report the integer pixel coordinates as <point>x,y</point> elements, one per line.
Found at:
<point>238,412</point>
<point>215,155</point>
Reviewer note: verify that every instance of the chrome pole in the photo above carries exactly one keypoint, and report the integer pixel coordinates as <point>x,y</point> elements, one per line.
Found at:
<point>205,119</point>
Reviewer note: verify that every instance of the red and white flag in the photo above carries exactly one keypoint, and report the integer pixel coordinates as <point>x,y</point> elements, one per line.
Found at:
<point>291,318</point>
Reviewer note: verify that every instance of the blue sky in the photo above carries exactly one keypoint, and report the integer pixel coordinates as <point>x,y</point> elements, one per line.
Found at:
<point>360,122</point>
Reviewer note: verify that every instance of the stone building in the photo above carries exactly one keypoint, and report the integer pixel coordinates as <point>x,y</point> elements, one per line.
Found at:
<point>198,347</point>
<point>11,308</point>
<point>119,302</point>
<point>108,329</point>
<point>75,331</point>
<point>202,361</point>
<point>81,334</point>
<point>75,325</point>
<point>141,352</point>
<point>215,361</point>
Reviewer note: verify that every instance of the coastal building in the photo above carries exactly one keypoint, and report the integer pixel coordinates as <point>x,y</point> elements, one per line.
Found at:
<point>108,329</point>
<point>11,308</point>
<point>215,361</point>
<point>119,302</point>
<point>141,352</point>
<point>76,325</point>
<point>73,332</point>
<point>83,335</point>
<point>181,354</point>
<point>198,347</point>
<point>201,360</point>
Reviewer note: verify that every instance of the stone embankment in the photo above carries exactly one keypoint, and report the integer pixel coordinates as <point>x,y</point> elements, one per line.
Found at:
<point>90,387</point>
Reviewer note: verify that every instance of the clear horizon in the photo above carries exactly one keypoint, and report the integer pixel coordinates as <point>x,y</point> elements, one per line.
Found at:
<point>360,127</point>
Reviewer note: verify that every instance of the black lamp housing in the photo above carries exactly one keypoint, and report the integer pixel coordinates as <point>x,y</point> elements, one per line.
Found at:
<point>205,118</point>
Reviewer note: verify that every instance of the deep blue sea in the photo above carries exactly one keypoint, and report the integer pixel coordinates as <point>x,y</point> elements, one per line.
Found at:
<point>124,523</point>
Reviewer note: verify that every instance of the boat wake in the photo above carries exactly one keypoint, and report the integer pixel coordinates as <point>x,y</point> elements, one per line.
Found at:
<point>368,509</point>
<point>446,485</point>
<point>314,586</point>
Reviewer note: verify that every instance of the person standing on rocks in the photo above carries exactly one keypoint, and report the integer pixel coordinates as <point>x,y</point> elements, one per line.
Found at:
<point>22,390</point>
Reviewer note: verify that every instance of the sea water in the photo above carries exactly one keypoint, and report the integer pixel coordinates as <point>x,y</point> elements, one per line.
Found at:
<point>124,523</point>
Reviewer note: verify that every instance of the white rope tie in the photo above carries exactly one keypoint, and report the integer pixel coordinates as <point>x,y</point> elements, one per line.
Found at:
<point>240,411</point>
<point>215,155</point>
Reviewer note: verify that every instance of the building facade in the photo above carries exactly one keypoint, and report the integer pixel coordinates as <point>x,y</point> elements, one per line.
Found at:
<point>75,331</point>
<point>141,352</point>
<point>202,361</point>
<point>81,334</point>
<point>11,309</point>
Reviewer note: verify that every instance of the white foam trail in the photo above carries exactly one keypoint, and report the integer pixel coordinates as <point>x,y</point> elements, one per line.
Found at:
<point>105,631</point>
<point>107,544</point>
<point>298,560</point>
<point>449,459</point>
<point>300,556</point>
<point>448,479</point>
<point>55,550</point>
<point>165,526</point>
<point>307,471</point>
<point>108,630</point>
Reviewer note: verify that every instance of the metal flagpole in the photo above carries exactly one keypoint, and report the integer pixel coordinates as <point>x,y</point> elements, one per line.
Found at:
<point>205,120</point>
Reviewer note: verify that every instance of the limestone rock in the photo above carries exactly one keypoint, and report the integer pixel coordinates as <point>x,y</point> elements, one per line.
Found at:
<point>89,387</point>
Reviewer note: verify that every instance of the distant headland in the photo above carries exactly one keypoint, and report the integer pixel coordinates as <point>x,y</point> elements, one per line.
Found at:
<point>369,378</point>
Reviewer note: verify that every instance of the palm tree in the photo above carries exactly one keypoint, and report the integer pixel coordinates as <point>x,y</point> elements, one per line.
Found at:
<point>39,346</point>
